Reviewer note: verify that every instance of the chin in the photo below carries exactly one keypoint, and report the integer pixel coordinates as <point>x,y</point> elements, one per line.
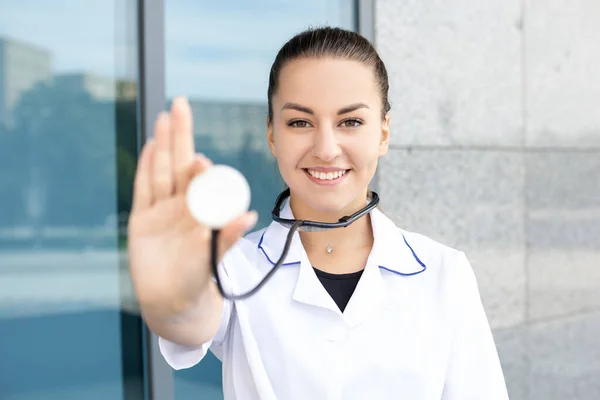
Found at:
<point>330,203</point>
<point>335,201</point>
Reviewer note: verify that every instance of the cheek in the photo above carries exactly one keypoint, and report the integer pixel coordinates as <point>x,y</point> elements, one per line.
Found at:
<point>285,152</point>
<point>289,155</point>
<point>289,149</point>
<point>364,154</point>
<point>287,162</point>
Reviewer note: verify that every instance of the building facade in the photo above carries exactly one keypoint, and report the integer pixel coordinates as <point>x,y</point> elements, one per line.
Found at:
<point>495,150</point>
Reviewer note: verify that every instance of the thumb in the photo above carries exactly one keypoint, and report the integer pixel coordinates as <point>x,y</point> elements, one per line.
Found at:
<point>232,232</point>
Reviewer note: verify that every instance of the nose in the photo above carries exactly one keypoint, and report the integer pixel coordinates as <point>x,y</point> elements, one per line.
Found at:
<point>325,145</point>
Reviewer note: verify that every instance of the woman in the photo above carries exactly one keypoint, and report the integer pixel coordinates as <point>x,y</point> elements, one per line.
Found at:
<point>365,312</point>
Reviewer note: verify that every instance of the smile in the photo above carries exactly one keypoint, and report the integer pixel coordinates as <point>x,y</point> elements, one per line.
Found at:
<point>326,178</point>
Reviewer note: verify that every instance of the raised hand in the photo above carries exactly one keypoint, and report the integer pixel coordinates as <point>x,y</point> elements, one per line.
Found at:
<point>169,252</point>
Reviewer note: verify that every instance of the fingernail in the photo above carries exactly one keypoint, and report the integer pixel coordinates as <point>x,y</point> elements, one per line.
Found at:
<point>180,100</point>
<point>203,161</point>
<point>163,117</point>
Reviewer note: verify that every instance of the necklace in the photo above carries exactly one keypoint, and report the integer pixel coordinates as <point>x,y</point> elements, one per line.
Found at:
<point>329,249</point>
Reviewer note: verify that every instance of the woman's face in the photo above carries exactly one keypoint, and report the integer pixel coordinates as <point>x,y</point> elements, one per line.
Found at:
<point>327,132</point>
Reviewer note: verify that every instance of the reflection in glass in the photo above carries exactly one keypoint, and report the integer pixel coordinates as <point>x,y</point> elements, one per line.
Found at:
<point>68,146</point>
<point>219,54</point>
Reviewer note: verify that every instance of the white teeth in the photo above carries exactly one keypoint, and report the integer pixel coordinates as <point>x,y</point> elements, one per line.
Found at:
<point>326,176</point>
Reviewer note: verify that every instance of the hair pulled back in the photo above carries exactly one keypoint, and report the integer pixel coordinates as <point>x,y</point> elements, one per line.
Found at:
<point>329,42</point>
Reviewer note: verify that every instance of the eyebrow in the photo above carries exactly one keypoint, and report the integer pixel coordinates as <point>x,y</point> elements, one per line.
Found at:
<point>352,107</point>
<point>343,110</point>
<point>297,107</point>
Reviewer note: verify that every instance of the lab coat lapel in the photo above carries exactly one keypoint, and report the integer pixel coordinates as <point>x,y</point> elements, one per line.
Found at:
<point>369,297</point>
<point>309,289</point>
<point>391,253</point>
<point>272,241</point>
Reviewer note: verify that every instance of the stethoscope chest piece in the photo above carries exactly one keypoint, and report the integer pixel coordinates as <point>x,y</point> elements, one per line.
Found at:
<point>217,196</point>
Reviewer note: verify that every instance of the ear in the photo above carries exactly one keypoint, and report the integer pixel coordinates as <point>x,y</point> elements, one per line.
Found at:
<point>385,136</point>
<point>271,136</point>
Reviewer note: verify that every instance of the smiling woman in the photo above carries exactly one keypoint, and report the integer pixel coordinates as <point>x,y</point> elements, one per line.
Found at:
<point>357,308</point>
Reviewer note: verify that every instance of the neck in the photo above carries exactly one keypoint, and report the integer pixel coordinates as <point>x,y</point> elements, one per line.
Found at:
<point>358,235</point>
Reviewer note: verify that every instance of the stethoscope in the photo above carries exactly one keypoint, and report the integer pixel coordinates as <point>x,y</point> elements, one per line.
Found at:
<point>222,180</point>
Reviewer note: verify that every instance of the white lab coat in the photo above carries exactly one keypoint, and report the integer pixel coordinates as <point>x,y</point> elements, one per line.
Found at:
<point>415,327</point>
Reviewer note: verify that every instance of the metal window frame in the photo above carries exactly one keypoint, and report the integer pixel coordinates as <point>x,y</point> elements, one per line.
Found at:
<point>365,25</point>
<point>365,18</point>
<point>152,99</point>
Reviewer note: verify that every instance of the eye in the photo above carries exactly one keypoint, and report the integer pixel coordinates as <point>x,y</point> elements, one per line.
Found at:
<point>351,123</point>
<point>299,123</point>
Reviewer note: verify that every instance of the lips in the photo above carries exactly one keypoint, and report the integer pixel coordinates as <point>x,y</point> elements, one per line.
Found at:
<point>326,176</point>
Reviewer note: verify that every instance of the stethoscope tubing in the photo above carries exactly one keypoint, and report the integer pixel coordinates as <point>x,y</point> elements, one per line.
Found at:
<point>214,246</point>
<point>294,226</point>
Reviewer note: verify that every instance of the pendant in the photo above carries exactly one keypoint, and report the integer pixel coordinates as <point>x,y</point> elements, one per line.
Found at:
<point>329,249</point>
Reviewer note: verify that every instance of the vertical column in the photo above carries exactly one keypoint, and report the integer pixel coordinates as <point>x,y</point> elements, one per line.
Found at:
<point>152,101</point>
<point>365,17</point>
<point>365,25</point>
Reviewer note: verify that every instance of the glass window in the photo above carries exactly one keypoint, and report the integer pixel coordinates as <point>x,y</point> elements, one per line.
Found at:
<point>219,54</point>
<point>68,146</point>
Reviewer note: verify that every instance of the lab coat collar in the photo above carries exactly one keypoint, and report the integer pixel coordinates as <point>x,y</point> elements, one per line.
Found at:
<point>273,239</point>
<point>391,250</point>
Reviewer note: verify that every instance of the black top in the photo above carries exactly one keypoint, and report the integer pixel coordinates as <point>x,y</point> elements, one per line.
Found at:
<point>339,286</point>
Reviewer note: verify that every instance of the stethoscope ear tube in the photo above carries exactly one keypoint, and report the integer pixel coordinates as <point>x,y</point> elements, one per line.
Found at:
<point>214,246</point>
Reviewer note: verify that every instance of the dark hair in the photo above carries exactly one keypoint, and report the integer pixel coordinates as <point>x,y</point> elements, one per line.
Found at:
<point>329,42</point>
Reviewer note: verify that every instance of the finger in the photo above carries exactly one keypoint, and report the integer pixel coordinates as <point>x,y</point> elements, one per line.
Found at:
<point>162,173</point>
<point>200,164</point>
<point>182,142</point>
<point>229,235</point>
<point>142,186</point>
<point>233,231</point>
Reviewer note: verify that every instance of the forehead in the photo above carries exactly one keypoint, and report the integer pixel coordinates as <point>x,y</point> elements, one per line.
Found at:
<point>326,83</point>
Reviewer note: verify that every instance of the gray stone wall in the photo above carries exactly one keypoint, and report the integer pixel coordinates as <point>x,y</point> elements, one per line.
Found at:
<point>496,150</point>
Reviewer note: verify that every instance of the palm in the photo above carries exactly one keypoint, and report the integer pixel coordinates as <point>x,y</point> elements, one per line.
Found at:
<point>168,245</point>
<point>165,218</point>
